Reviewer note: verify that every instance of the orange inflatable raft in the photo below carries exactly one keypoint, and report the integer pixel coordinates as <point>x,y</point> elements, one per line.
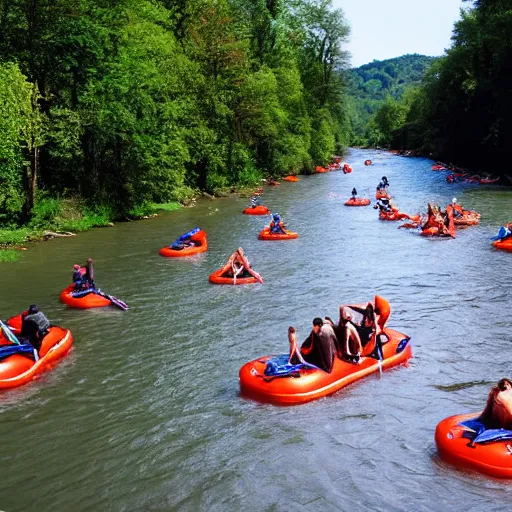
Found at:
<point>503,245</point>
<point>92,300</point>
<point>265,234</point>
<point>312,383</point>
<point>367,162</point>
<point>382,195</point>
<point>201,241</point>
<point>237,261</point>
<point>454,447</point>
<point>257,210</point>
<point>359,201</point>
<point>319,169</point>
<point>293,179</point>
<point>17,369</point>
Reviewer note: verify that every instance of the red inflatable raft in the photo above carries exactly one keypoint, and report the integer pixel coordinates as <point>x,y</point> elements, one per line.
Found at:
<point>382,195</point>
<point>504,245</point>
<point>217,278</point>
<point>92,300</point>
<point>367,162</point>
<point>319,169</point>
<point>17,369</point>
<point>314,383</point>
<point>293,179</point>
<point>257,210</point>
<point>494,459</point>
<point>360,201</point>
<point>265,234</point>
<point>201,241</point>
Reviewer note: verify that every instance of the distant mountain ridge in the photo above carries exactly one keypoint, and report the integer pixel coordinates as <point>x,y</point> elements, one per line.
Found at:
<point>369,85</point>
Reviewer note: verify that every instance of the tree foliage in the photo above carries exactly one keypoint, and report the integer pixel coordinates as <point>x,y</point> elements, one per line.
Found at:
<point>124,102</point>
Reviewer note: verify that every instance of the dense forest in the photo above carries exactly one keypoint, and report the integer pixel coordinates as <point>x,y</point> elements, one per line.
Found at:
<point>116,104</point>
<point>374,84</point>
<point>462,112</point>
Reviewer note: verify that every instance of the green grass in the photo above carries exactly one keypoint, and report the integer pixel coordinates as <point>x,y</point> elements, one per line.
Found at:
<point>9,255</point>
<point>168,207</point>
<point>14,236</point>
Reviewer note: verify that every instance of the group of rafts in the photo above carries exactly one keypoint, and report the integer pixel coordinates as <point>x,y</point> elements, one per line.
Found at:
<point>19,361</point>
<point>461,440</point>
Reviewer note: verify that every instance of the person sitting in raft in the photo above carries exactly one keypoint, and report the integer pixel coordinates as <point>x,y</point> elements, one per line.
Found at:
<point>239,266</point>
<point>384,184</point>
<point>83,279</point>
<point>319,348</point>
<point>254,202</point>
<point>354,194</point>
<point>351,345</point>
<point>504,233</point>
<point>383,205</point>
<point>498,410</point>
<point>34,326</point>
<point>185,241</point>
<point>435,219</point>
<point>295,355</point>
<point>275,225</point>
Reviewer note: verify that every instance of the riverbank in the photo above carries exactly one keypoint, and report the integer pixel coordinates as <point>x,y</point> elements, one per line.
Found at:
<point>55,218</point>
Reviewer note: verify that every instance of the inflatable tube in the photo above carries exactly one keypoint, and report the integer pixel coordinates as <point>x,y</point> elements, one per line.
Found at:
<point>493,459</point>
<point>257,210</point>
<point>265,234</point>
<point>486,181</point>
<point>17,370</point>
<point>312,383</point>
<point>503,245</point>
<point>319,169</point>
<point>293,179</point>
<point>439,168</point>
<point>466,220</point>
<point>382,195</point>
<point>367,162</point>
<point>347,169</point>
<point>216,278</point>
<point>360,201</point>
<point>92,300</point>
<point>200,237</point>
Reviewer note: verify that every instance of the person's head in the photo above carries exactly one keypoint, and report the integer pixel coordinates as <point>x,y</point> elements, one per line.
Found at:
<point>384,179</point>
<point>345,315</point>
<point>276,217</point>
<point>32,309</point>
<point>89,260</point>
<point>505,384</point>
<point>291,330</point>
<point>76,267</point>
<point>317,325</point>
<point>454,200</point>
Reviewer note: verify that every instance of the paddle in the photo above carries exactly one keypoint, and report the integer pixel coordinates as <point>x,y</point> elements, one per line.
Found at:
<point>115,301</point>
<point>9,334</point>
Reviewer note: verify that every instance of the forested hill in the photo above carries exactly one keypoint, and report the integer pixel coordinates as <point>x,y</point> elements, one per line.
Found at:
<point>369,86</point>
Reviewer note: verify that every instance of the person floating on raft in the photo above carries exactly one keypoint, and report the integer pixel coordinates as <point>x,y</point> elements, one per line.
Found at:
<point>238,266</point>
<point>83,285</point>
<point>185,241</point>
<point>383,205</point>
<point>367,162</point>
<point>354,194</point>
<point>254,201</point>
<point>504,233</point>
<point>498,410</point>
<point>439,221</point>
<point>384,184</point>
<point>277,225</point>
<point>320,347</point>
<point>83,278</point>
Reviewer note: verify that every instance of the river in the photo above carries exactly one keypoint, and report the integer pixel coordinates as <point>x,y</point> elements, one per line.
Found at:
<point>144,414</point>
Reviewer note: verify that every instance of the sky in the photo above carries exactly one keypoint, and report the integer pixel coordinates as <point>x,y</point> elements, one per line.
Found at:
<point>383,29</point>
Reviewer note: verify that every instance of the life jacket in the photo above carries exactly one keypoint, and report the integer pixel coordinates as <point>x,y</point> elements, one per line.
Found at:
<point>36,323</point>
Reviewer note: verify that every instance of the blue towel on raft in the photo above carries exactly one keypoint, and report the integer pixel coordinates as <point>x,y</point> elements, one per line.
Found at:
<point>280,366</point>
<point>9,350</point>
<point>482,435</point>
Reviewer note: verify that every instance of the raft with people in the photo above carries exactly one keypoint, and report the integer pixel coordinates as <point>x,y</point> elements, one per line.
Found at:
<point>281,380</point>
<point>503,240</point>
<point>368,162</point>
<point>20,362</point>
<point>257,210</point>
<point>83,294</point>
<point>464,442</point>
<point>236,271</point>
<point>358,201</point>
<point>188,244</point>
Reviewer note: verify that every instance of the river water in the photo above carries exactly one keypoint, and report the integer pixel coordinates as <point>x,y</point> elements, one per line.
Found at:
<point>145,414</point>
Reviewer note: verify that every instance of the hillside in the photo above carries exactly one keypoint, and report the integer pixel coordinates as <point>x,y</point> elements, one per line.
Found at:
<point>371,84</point>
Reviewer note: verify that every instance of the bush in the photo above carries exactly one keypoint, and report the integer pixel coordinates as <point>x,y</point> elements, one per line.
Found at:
<point>9,255</point>
<point>45,212</point>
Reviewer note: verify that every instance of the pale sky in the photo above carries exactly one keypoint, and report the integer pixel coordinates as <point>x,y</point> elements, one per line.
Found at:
<point>383,29</point>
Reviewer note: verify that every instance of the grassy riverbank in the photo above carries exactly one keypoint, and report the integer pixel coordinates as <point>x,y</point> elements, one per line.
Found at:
<point>66,216</point>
